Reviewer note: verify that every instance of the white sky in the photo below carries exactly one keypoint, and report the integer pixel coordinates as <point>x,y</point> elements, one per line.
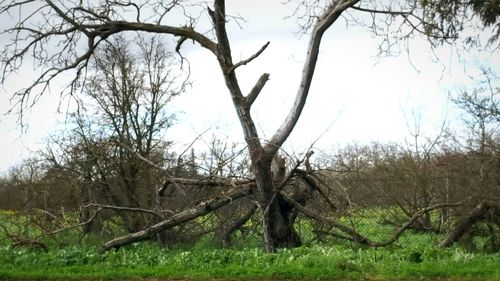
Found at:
<point>357,96</point>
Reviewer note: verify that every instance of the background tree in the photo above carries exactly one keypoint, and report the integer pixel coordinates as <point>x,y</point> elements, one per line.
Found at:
<point>121,114</point>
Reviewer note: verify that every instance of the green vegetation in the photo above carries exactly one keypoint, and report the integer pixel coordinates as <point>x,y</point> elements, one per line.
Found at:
<point>418,258</point>
<point>414,255</point>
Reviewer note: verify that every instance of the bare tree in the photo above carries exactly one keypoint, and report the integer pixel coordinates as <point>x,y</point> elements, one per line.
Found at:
<point>474,161</point>
<point>54,33</point>
<point>122,112</point>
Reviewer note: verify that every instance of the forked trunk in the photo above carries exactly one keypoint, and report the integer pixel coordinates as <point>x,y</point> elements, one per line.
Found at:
<point>277,219</point>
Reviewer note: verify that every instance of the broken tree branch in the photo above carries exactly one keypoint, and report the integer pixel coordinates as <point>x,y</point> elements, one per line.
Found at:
<point>479,213</point>
<point>200,210</point>
<point>237,224</point>
<point>356,236</point>
<point>257,88</point>
<point>120,208</point>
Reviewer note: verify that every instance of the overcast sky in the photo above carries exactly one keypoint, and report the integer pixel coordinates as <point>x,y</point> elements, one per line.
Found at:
<point>356,96</point>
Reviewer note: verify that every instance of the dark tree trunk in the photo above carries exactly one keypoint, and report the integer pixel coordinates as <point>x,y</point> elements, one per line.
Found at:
<point>94,226</point>
<point>280,219</point>
<point>277,221</point>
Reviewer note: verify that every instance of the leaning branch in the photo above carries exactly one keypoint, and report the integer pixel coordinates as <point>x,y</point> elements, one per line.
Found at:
<point>237,224</point>
<point>356,236</point>
<point>182,217</point>
<point>310,180</point>
<point>479,213</point>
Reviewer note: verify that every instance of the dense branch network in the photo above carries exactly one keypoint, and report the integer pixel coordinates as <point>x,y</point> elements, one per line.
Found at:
<point>63,36</point>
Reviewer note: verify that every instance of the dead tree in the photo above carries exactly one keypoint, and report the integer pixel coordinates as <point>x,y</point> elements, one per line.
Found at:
<point>55,33</point>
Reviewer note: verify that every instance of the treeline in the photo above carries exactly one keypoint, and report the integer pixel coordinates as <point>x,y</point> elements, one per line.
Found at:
<point>124,196</point>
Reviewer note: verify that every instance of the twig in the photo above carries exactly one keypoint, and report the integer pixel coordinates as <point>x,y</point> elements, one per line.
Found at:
<point>244,62</point>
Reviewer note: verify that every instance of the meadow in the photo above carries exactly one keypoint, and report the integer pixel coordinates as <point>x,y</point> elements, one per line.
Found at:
<point>415,255</point>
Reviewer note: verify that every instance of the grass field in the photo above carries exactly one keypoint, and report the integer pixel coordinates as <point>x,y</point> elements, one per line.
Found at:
<point>145,260</point>
<point>414,256</point>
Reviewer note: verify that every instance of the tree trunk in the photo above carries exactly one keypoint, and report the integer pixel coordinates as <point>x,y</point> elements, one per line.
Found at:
<point>277,223</point>
<point>276,220</point>
<point>283,232</point>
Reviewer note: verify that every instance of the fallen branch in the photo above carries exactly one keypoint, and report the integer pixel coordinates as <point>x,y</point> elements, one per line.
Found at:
<point>182,217</point>
<point>416,216</point>
<point>310,180</point>
<point>479,213</point>
<point>33,241</point>
<point>356,236</point>
<point>237,224</point>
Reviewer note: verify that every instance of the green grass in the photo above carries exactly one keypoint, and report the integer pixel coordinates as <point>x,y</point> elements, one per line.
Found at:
<point>414,255</point>
<point>147,260</point>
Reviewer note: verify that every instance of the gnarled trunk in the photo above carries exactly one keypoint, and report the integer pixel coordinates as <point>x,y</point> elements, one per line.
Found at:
<point>277,221</point>
<point>280,220</point>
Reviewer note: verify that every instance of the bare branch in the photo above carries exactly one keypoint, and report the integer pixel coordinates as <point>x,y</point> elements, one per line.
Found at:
<point>254,93</point>
<point>244,62</point>
<point>121,208</point>
<point>356,236</point>
<point>182,217</point>
<point>384,12</point>
<point>331,14</point>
